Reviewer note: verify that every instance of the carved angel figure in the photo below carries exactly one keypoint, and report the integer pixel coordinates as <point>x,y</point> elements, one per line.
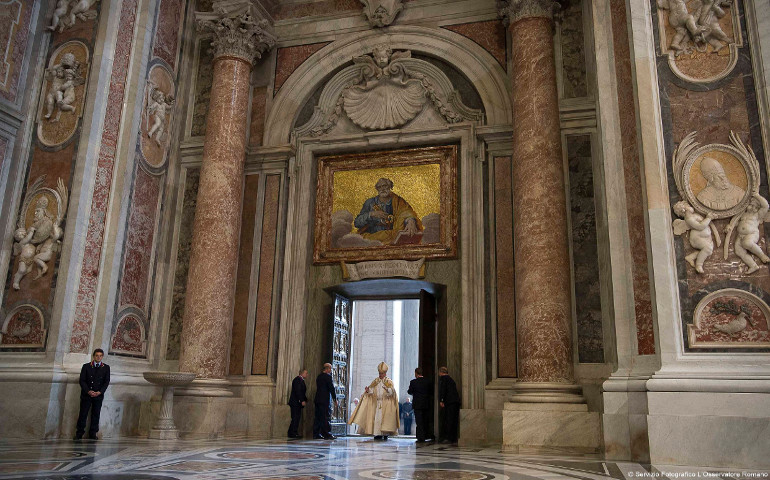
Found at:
<point>158,107</point>
<point>67,11</point>
<point>700,234</point>
<point>37,244</point>
<point>64,77</point>
<point>700,28</point>
<point>747,240</point>
<point>58,15</point>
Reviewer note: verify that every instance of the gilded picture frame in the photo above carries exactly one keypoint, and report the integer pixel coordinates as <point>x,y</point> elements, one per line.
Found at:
<point>396,204</point>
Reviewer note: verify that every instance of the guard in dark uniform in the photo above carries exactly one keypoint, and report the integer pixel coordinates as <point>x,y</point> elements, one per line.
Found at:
<point>94,380</point>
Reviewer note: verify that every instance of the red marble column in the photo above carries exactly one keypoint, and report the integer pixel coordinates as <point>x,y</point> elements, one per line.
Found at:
<point>541,252</point>
<point>209,299</point>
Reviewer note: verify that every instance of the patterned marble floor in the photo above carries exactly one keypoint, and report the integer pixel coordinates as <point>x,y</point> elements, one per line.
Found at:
<point>344,458</point>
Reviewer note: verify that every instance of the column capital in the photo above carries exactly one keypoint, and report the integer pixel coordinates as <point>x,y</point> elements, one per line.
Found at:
<point>511,11</point>
<point>239,31</point>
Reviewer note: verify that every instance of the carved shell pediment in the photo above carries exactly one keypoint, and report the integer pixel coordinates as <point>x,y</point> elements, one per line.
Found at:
<point>386,90</point>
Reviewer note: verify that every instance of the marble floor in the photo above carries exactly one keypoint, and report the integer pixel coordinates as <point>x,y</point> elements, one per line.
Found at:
<point>344,458</point>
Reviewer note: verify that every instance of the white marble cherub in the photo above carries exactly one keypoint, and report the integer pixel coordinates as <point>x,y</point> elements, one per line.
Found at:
<point>711,33</point>
<point>57,21</point>
<point>64,77</point>
<point>747,239</point>
<point>158,106</point>
<point>683,22</point>
<point>700,233</point>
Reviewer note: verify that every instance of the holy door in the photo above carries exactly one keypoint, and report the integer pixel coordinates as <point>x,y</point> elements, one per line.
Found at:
<point>341,362</point>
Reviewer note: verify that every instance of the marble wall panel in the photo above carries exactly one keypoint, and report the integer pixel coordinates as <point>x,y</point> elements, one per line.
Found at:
<point>15,19</point>
<point>632,170</point>
<point>504,271</point>
<point>258,111</point>
<point>149,180</point>
<point>286,11</point>
<point>167,31</point>
<point>585,267</point>
<point>265,285</point>
<point>182,263</point>
<point>713,109</point>
<point>140,241</point>
<point>491,36</point>
<point>204,77</point>
<point>243,276</point>
<point>86,296</point>
<point>3,151</point>
<point>289,58</point>
<point>573,56</point>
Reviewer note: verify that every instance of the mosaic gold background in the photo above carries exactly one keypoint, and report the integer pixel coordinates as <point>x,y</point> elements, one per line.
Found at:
<point>420,185</point>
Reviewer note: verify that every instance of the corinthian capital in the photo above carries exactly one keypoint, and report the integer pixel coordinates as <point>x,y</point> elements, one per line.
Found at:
<point>511,11</point>
<point>240,33</point>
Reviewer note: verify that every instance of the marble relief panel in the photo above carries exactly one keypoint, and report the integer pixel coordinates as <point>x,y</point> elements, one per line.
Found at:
<point>15,18</point>
<point>182,263</point>
<point>585,254</point>
<point>41,221</point>
<point>717,178</point>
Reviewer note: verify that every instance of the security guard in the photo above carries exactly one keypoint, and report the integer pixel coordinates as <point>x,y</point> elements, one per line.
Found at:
<point>94,379</point>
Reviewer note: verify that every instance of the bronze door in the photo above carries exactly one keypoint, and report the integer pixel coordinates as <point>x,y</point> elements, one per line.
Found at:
<point>341,362</point>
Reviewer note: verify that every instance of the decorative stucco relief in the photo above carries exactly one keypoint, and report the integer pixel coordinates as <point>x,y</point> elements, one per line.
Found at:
<point>67,12</point>
<point>386,90</point>
<point>719,181</point>
<point>730,318</point>
<point>701,37</point>
<point>156,120</point>
<point>382,13</point>
<point>237,34</point>
<point>24,327</point>
<point>38,230</point>
<point>63,93</point>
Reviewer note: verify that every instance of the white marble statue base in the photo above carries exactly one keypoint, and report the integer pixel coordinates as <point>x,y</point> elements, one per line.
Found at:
<point>557,426</point>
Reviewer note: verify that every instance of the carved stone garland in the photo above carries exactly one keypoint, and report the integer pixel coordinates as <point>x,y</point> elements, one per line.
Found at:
<point>386,90</point>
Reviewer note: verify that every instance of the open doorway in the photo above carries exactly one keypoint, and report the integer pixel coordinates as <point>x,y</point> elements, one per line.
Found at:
<point>396,321</point>
<point>385,331</point>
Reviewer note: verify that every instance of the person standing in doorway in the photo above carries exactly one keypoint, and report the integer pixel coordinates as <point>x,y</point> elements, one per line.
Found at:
<point>324,394</point>
<point>297,401</point>
<point>421,389</point>
<point>449,407</point>
<point>407,415</point>
<point>94,380</point>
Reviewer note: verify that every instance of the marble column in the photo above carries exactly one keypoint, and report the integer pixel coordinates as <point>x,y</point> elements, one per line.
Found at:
<point>541,252</point>
<point>547,408</point>
<point>238,41</point>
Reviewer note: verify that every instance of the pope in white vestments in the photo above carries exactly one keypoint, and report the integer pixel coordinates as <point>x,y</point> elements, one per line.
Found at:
<point>377,412</point>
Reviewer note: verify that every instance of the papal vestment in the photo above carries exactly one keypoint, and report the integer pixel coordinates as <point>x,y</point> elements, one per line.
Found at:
<point>377,413</point>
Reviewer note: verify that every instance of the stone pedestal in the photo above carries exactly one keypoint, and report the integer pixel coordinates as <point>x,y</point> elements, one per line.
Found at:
<point>164,428</point>
<point>529,427</point>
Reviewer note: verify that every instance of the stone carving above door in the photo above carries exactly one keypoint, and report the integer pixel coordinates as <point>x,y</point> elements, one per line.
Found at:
<point>700,37</point>
<point>382,13</point>
<point>385,90</point>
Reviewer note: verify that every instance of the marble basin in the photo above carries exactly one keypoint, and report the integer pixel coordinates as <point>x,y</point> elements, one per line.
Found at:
<point>165,428</point>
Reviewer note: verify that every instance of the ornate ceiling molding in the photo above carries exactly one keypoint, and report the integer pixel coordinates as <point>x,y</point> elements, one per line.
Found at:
<point>382,13</point>
<point>511,11</point>
<point>238,32</point>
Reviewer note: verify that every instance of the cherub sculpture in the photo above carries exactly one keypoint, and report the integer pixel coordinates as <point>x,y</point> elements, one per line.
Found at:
<point>700,28</point>
<point>711,32</point>
<point>683,22</point>
<point>64,77</point>
<point>58,15</point>
<point>158,107</point>
<point>747,240</point>
<point>37,244</point>
<point>700,237</point>
<point>80,9</point>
